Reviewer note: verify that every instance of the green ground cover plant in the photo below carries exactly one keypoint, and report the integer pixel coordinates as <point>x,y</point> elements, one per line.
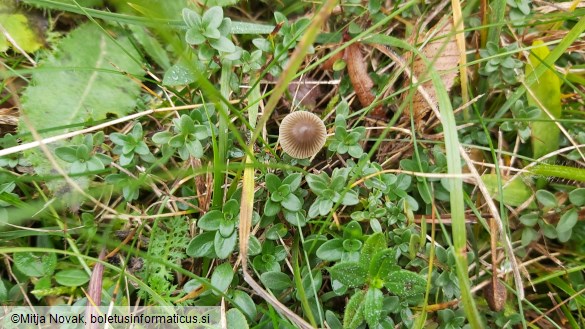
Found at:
<point>142,138</point>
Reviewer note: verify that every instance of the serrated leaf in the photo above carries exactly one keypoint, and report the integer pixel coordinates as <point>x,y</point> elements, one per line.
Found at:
<point>545,94</point>
<point>71,278</point>
<point>60,96</point>
<point>351,274</point>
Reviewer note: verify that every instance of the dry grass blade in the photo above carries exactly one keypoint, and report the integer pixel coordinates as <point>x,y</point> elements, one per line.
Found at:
<point>246,210</point>
<point>444,55</point>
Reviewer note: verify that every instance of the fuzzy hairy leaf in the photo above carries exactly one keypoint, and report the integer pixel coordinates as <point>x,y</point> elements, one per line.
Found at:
<point>61,95</point>
<point>351,274</point>
<point>354,311</point>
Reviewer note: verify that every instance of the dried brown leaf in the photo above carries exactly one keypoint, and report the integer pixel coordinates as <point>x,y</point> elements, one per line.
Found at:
<point>94,293</point>
<point>442,52</point>
<point>203,184</point>
<point>357,69</point>
<point>495,294</point>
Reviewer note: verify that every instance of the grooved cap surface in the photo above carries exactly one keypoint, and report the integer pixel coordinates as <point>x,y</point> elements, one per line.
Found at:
<point>302,134</point>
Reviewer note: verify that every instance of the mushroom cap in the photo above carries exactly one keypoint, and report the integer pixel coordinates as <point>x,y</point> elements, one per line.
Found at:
<point>302,134</point>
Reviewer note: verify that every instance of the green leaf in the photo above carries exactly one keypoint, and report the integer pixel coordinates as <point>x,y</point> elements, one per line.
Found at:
<point>374,244</point>
<point>35,264</point>
<point>66,153</point>
<point>354,311</point>
<point>211,220</point>
<point>373,306</point>
<point>59,95</point>
<point>201,245</point>
<point>271,208</point>
<point>529,219</point>
<point>223,44</point>
<point>515,193</point>
<point>293,181</point>
<point>577,197</point>
<point>18,27</point>
<point>567,221</point>
<point>212,18</point>
<point>545,93</point>
<point>3,292</point>
<point>276,280</point>
<point>383,263</point>
<point>351,274</point>
<point>546,198</point>
<point>151,46</point>
<point>224,246</point>
<point>195,149</point>
<point>272,182</point>
<point>71,278</point>
<point>405,283</point>
<point>223,3</point>
<point>528,235</point>
<point>292,203</point>
<point>317,183</point>
<point>245,303</point>
<point>353,230</point>
<point>162,137</point>
<point>331,250</point>
<point>179,74</point>
<point>235,319</point>
<point>350,198</point>
<point>222,277</point>
<point>332,320</point>
<point>191,18</point>
<point>324,205</point>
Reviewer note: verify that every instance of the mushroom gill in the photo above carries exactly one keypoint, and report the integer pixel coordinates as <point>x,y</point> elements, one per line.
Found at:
<point>302,134</point>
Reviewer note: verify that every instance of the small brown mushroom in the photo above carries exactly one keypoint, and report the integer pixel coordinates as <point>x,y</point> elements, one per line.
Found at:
<point>302,134</point>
